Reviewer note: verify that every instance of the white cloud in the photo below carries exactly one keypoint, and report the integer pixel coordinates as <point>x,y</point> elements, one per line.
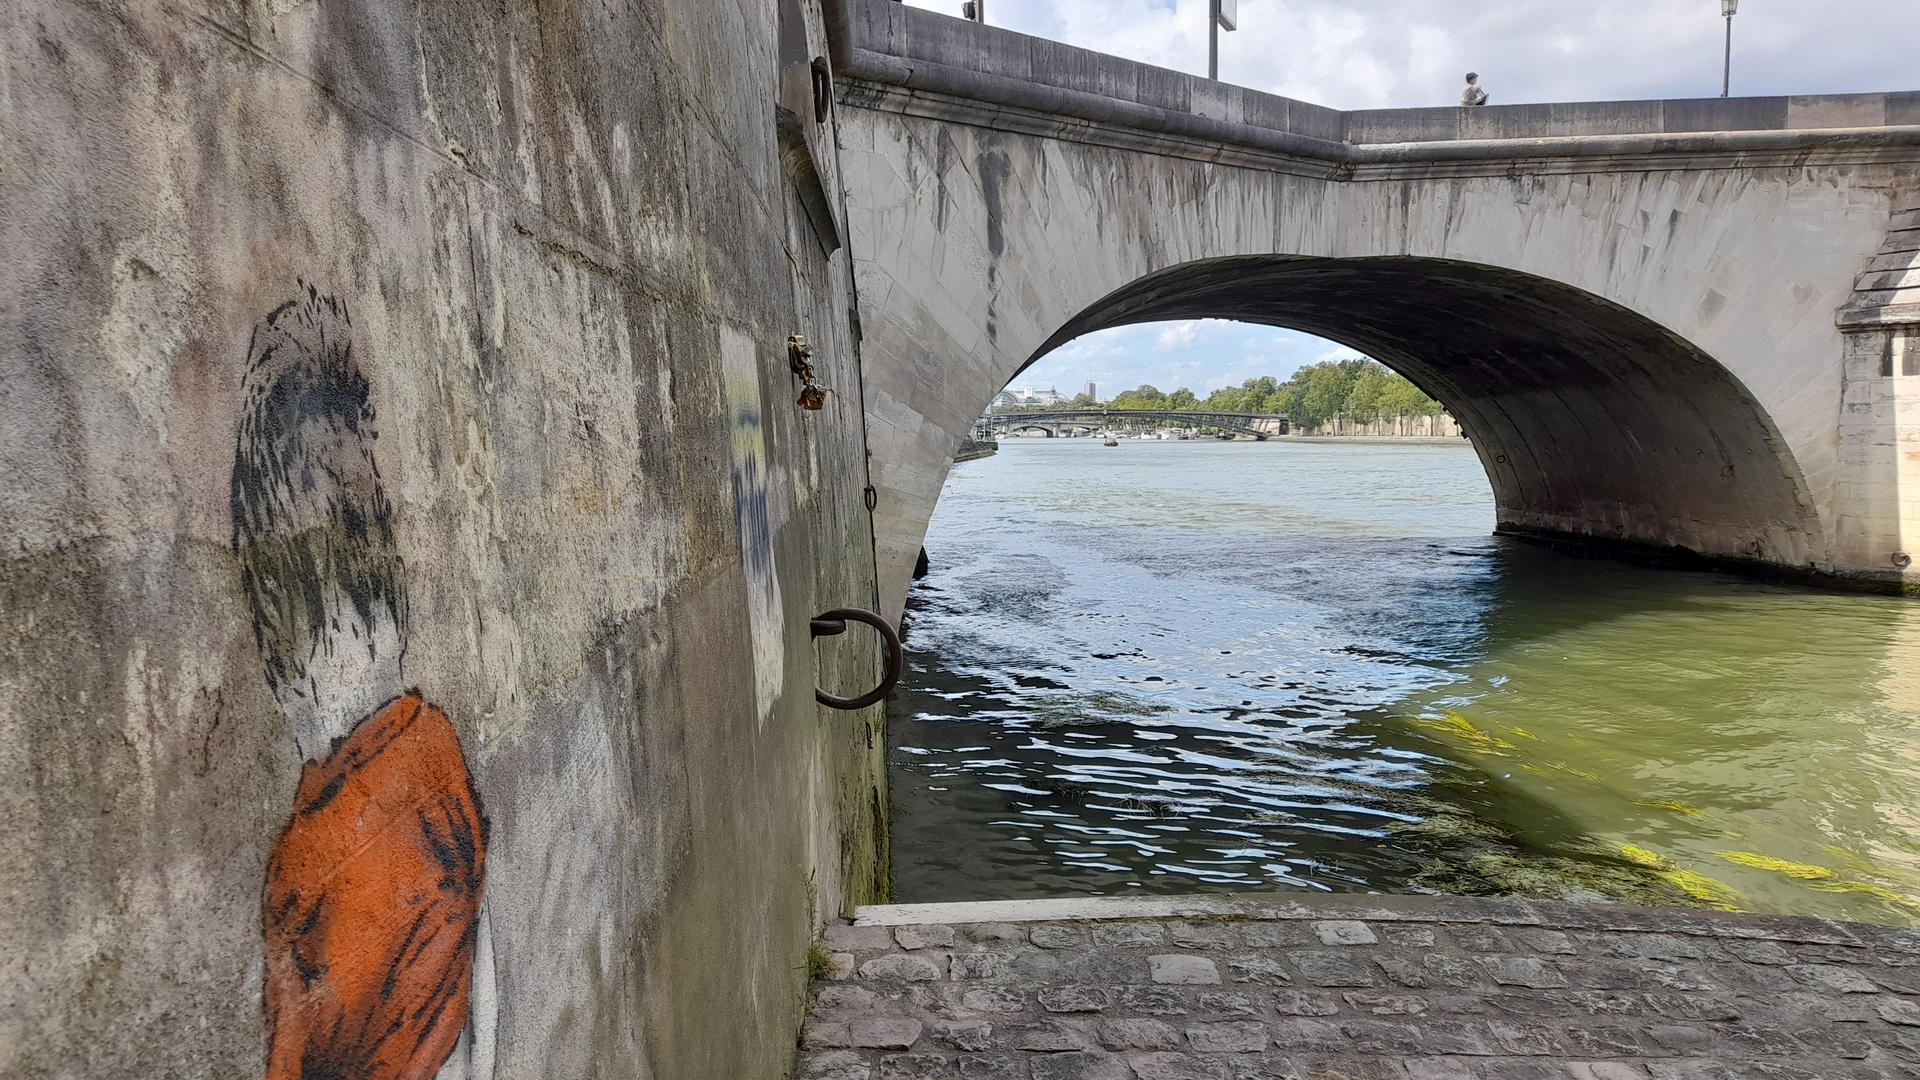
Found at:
<point>1355,54</point>
<point>1178,337</point>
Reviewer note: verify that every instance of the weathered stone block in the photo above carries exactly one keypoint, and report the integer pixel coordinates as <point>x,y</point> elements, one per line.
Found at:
<point>1183,970</point>
<point>1258,969</point>
<point>1275,935</point>
<point>1417,937</point>
<point>1759,952</point>
<point>1128,935</point>
<point>997,1067</point>
<point>1402,971</point>
<point>1052,936</point>
<point>1844,980</point>
<point>1333,969</point>
<point>1604,1041</point>
<point>1447,969</point>
<point>1689,1006</point>
<point>1233,1037</point>
<point>923,937</point>
<point>1479,939</point>
<point>969,1035</point>
<point>1176,1067</point>
<point>1545,941</point>
<point>1044,1037</point>
<point>913,968</point>
<point>842,938</point>
<point>821,1036</point>
<point>1457,1037</point>
<point>1387,1004</point>
<point>1139,1034</point>
<point>995,934</point>
<point>1225,1005</point>
<point>1073,999</point>
<point>885,1034</point>
<point>1080,1065</point>
<point>993,999</point>
<point>1437,1068</point>
<point>915,1067</point>
<point>1682,1039</point>
<point>1312,1035</point>
<point>841,1065</point>
<point>833,999</point>
<point>1523,1039</point>
<point>1607,975</point>
<point>1301,1003</point>
<point>1152,1000</point>
<point>1898,1011</point>
<point>1525,971</point>
<point>1344,932</point>
<point>981,966</point>
<point>1201,936</point>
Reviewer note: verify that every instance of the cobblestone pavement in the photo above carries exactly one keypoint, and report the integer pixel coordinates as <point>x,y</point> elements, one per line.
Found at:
<point>1408,988</point>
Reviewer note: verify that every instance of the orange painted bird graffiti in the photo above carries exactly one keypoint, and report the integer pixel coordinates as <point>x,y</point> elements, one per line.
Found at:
<point>372,912</point>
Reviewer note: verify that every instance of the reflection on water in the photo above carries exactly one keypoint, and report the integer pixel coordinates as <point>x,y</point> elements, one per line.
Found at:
<point>1188,666</point>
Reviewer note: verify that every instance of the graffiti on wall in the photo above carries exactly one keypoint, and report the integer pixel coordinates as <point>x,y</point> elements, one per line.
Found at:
<point>378,959</point>
<point>757,510</point>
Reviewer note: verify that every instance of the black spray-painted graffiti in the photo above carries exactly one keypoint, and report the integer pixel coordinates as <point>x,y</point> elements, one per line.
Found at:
<point>379,964</point>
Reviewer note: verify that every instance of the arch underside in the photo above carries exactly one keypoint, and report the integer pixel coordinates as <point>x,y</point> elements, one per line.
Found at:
<point>1593,421</point>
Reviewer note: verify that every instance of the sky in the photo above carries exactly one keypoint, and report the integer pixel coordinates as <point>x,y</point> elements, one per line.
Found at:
<point>1363,54</point>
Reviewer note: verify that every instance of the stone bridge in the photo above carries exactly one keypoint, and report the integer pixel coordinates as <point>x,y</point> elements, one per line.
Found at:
<point>1669,325</point>
<point>1058,421</point>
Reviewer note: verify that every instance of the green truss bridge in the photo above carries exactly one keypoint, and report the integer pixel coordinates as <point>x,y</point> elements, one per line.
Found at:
<point>1056,422</point>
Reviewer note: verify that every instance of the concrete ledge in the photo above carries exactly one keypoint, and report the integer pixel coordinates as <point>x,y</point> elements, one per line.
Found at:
<point>1274,907</point>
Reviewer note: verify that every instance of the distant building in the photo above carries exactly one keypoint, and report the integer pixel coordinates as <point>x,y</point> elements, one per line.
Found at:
<point>1092,393</point>
<point>1027,395</point>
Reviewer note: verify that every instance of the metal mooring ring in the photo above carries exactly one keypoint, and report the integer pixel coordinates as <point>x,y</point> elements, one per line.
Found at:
<point>835,622</point>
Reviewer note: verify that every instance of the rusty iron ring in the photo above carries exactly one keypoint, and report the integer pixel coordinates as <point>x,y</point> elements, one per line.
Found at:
<point>835,622</point>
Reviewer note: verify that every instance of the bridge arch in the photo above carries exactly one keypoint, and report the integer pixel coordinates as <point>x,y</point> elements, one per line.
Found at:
<point>1623,300</point>
<point>1591,420</point>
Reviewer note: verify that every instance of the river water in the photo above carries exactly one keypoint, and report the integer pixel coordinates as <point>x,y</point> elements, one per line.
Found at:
<point>1182,667</point>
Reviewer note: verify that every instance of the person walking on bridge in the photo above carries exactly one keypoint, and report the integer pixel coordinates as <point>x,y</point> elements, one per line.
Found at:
<point>1473,94</point>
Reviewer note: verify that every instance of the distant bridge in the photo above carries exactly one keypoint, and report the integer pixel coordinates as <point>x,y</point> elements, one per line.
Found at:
<point>1054,421</point>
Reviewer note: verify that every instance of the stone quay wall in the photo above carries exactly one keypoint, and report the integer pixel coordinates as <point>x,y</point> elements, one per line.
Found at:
<point>1358,988</point>
<point>1394,427</point>
<point>408,538</point>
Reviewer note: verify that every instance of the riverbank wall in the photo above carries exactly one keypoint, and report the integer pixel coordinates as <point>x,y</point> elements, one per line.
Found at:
<point>975,449</point>
<point>410,537</point>
<point>1402,427</point>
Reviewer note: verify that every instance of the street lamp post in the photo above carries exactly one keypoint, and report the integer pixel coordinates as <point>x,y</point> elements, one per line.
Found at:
<point>1727,8</point>
<point>1221,15</point>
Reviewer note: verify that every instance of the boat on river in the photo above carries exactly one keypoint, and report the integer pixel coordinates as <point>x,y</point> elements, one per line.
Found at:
<point>1111,442</point>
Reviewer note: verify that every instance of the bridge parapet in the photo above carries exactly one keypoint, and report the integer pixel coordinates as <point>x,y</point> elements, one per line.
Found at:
<point>924,63</point>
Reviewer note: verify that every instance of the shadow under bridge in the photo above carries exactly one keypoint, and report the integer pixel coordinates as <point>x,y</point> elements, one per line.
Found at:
<point>1591,419</point>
